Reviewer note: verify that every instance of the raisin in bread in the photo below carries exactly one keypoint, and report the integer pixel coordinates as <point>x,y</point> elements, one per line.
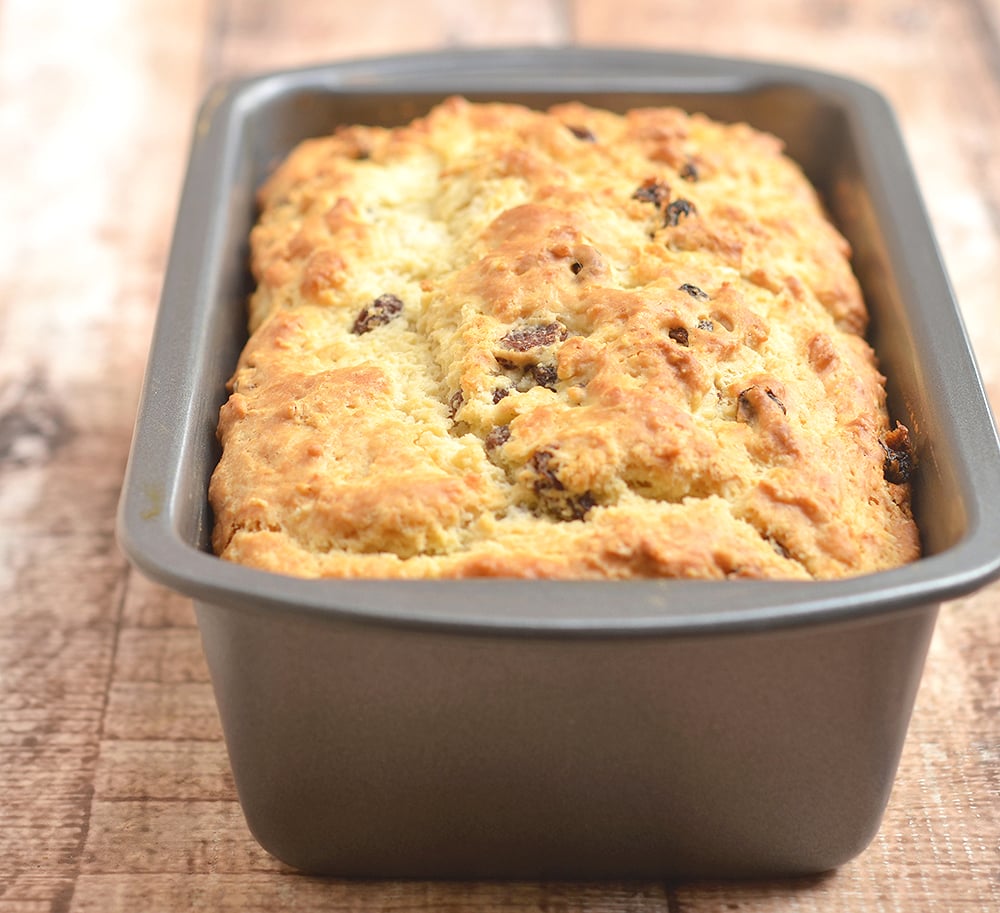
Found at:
<point>568,344</point>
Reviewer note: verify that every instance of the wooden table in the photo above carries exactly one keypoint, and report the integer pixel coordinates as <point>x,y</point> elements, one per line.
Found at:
<point>115,792</point>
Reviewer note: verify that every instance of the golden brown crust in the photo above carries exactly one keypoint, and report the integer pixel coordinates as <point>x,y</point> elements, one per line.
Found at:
<point>500,342</point>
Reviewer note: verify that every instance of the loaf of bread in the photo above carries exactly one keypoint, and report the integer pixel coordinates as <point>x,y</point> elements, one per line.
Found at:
<point>563,344</point>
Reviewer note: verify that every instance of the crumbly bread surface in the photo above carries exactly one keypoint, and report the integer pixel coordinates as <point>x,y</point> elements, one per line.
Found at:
<point>568,344</point>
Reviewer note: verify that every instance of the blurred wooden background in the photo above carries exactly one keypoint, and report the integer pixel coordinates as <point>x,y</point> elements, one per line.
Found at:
<point>115,792</point>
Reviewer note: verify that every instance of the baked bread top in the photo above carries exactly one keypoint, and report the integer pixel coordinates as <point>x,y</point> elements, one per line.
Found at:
<point>568,344</point>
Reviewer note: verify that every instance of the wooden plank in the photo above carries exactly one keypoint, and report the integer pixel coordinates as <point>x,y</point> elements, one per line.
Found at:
<point>165,655</point>
<point>35,891</point>
<point>51,669</point>
<point>85,225</point>
<point>151,710</point>
<point>176,836</point>
<point>256,893</point>
<point>163,769</point>
<point>15,905</point>
<point>51,686</point>
<point>72,580</point>
<point>259,35</point>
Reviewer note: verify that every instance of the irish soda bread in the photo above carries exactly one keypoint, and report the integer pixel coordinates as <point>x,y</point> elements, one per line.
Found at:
<point>574,344</point>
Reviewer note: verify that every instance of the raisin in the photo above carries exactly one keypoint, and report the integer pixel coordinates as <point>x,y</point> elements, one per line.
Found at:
<point>547,479</point>
<point>693,291</point>
<point>381,311</point>
<point>677,210</point>
<point>706,324</point>
<point>551,491</point>
<point>521,339</point>
<point>746,411</point>
<point>689,172</point>
<point>900,460</point>
<point>455,403</point>
<point>652,191</point>
<point>576,266</point>
<point>582,133</point>
<point>497,437</point>
<point>579,507</point>
<point>499,393</point>
<point>545,376</point>
<point>679,335</point>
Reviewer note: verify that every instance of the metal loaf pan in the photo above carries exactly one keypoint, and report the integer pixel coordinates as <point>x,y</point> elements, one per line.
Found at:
<point>564,729</point>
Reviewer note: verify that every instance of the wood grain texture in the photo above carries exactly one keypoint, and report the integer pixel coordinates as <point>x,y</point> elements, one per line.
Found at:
<point>115,791</point>
<point>259,893</point>
<point>256,35</point>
